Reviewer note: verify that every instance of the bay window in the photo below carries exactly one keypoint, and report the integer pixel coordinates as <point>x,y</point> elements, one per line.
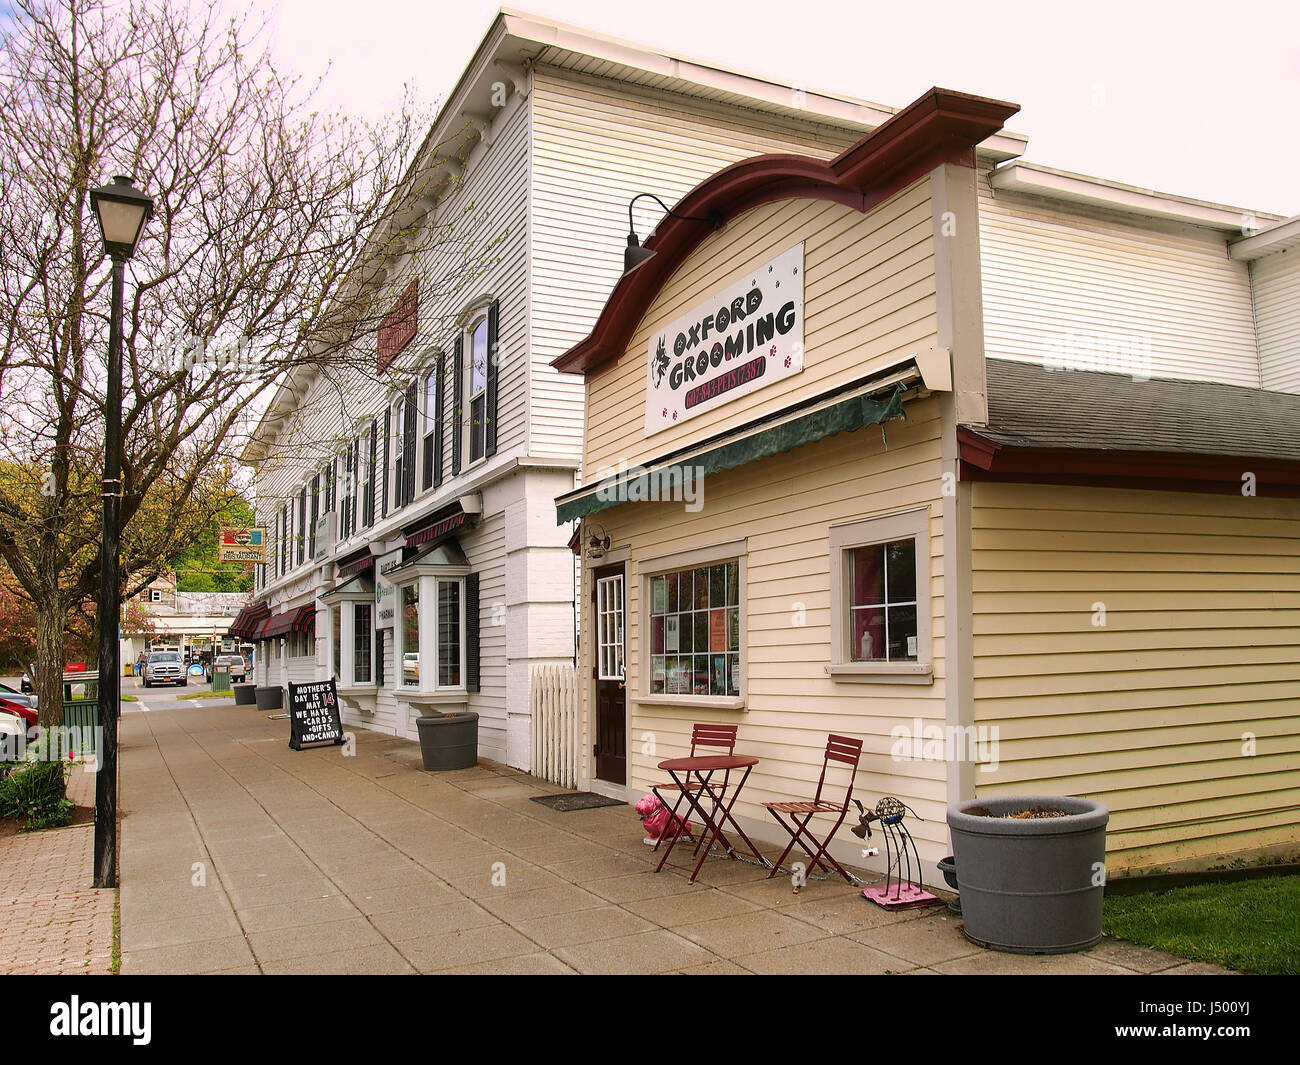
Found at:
<point>352,632</point>
<point>436,632</point>
<point>410,627</point>
<point>363,643</point>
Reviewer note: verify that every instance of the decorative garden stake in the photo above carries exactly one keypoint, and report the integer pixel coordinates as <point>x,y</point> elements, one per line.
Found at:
<point>900,849</point>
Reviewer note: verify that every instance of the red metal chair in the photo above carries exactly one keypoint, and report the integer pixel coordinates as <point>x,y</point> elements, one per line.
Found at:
<point>719,737</point>
<point>840,749</point>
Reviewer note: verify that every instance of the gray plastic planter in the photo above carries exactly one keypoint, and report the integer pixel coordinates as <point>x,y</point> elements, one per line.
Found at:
<point>1031,886</point>
<point>245,694</point>
<point>269,698</point>
<point>449,741</point>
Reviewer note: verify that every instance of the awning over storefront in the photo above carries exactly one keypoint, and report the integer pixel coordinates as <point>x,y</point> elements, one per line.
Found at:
<point>249,620</point>
<point>301,620</point>
<point>355,563</point>
<point>854,408</point>
<point>435,527</point>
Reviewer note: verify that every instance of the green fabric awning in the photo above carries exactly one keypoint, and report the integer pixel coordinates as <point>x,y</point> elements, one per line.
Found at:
<point>780,434</point>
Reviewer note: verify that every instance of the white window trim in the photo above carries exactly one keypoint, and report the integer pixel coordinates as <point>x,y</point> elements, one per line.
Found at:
<point>428,578</point>
<point>735,550</point>
<point>863,532</point>
<point>428,411</point>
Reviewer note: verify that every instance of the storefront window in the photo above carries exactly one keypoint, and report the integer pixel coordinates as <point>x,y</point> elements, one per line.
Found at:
<point>411,634</point>
<point>882,602</point>
<point>880,613</point>
<point>361,643</point>
<point>695,631</point>
<point>449,634</point>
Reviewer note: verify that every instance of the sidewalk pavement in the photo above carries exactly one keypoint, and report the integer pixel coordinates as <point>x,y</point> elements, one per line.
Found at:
<point>242,856</point>
<point>54,921</point>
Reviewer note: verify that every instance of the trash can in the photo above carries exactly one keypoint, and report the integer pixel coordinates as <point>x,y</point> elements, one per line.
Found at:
<point>221,680</point>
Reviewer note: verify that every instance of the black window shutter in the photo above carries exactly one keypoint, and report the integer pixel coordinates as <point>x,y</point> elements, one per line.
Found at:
<point>370,483</point>
<point>471,632</point>
<point>408,440</point>
<point>383,492</point>
<point>457,416</point>
<point>440,386</point>
<point>491,397</point>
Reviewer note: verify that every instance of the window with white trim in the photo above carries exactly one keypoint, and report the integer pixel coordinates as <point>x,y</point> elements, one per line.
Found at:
<point>430,429</point>
<point>880,603</point>
<point>399,420</point>
<point>432,634</point>
<point>476,404</point>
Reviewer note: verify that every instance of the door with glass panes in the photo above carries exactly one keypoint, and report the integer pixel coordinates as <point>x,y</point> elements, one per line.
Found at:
<point>608,613</point>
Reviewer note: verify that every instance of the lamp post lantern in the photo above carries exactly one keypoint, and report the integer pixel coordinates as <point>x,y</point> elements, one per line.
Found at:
<point>122,210</point>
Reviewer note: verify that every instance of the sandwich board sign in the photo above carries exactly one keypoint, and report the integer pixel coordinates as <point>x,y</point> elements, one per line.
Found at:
<point>314,714</point>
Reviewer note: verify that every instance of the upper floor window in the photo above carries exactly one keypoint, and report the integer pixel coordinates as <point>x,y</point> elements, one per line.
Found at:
<point>478,383</point>
<point>367,471</point>
<point>399,458</point>
<point>432,453</point>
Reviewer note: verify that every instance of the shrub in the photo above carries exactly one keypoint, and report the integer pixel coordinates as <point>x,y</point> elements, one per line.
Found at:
<point>36,794</point>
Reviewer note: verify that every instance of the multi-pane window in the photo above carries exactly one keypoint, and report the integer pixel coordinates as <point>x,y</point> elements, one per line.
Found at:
<point>449,634</point>
<point>882,602</point>
<point>478,367</point>
<point>363,492</point>
<point>362,643</point>
<point>430,425</point>
<point>695,631</point>
<point>302,524</point>
<point>398,457</point>
<point>609,627</point>
<point>411,634</point>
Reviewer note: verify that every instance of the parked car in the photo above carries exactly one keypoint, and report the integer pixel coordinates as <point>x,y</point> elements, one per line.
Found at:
<point>235,664</point>
<point>26,713</point>
<point>15,696</point>
<point>26,681</point>
<point>165,667</point>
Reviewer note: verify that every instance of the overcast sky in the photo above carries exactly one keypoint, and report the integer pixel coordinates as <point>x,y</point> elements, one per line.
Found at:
<point>1195,98</point>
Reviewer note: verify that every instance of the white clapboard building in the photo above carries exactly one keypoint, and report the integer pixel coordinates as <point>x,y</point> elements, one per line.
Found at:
<point>444,581</point>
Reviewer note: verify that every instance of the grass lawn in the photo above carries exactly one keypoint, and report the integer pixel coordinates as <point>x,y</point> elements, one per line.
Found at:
<point>206,695</point>
<point>1251,925</point>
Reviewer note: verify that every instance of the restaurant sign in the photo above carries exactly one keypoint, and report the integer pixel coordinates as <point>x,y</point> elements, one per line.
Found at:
<point>746,337</point>
<point>241,544</point>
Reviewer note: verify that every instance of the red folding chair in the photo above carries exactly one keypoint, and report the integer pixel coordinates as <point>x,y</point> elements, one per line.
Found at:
<point>838,749</point>
<point>718,737</point>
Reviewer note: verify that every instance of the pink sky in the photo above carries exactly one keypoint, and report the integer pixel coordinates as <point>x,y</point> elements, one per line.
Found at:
<point>1192,98</point>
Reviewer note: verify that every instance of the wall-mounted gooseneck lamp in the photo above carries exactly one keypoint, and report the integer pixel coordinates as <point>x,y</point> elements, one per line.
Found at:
<point>597,545</point>
<point>634,255</point>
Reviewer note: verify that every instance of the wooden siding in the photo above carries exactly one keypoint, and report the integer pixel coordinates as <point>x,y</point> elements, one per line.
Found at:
<point>1201,645</point>
<point>782,507</point>
<point>1053,271</point>
<point>869,301</point>
<point>596,144</point>
<point>1275,282</point>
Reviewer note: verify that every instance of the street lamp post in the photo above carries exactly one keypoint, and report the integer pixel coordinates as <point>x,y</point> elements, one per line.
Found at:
<point>122,210</point>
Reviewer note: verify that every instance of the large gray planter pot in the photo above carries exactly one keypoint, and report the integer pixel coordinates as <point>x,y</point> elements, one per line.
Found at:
<point>449,741</point>
<point>1031,886</point>
<point>245,694</point>
<point>270,698</point>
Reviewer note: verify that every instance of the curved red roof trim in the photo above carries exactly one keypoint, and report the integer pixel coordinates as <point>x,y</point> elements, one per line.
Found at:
<point>940,127</point>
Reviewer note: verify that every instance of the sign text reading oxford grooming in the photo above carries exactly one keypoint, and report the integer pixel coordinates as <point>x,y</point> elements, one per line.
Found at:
<point>745,337</point>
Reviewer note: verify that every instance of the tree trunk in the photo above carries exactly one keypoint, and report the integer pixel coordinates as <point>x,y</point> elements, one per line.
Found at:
<point>48,682</point>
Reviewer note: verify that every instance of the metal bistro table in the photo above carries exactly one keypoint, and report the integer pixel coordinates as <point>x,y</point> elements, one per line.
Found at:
<point>703,769</point>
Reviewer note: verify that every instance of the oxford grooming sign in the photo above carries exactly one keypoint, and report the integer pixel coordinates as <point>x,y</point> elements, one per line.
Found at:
<point>746,337</point>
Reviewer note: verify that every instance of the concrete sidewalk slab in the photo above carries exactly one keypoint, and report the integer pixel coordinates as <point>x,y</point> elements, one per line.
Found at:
<point>239,855</point>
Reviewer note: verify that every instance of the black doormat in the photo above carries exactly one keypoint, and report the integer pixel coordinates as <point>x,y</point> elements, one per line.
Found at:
<point>570,801</point>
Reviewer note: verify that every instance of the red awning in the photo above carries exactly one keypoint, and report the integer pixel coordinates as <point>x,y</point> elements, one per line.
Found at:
<point>305,621</point>
<point>442,524</point>
<point>249,620</point>
<point>354,564</point>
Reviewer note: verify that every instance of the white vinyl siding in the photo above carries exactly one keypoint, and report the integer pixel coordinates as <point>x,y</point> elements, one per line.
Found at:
<point>1058,274</point>
<point>1276,283</point>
